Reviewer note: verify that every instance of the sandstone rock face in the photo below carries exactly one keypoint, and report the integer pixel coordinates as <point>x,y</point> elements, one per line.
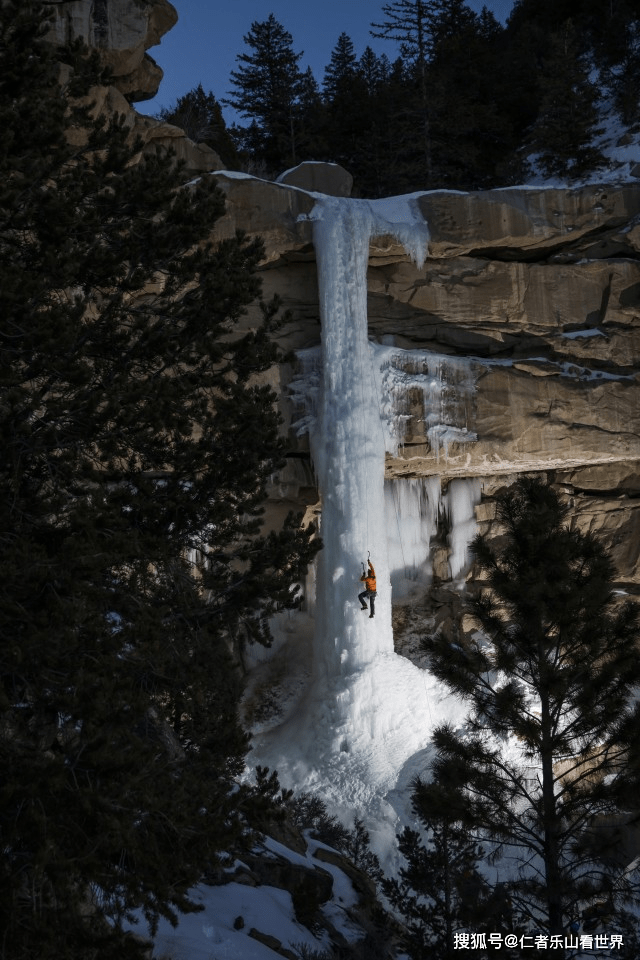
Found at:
<point>122,30</point>
<point>535,295</point>
<point>520,221</point>
<point>529,301</point>
<point>275,212</point>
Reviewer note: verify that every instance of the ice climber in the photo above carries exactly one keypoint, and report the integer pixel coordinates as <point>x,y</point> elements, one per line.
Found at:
<point>369,579</point>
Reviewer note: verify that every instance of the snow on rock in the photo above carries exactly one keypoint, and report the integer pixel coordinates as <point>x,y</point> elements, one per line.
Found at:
<point>254,919</point>
<point>210,933</point>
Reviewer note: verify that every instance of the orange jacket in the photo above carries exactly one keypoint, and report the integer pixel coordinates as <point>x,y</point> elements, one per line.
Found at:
<point>369,579</point>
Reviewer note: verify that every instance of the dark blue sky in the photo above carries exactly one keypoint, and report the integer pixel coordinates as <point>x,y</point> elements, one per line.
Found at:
<point>203,46</point>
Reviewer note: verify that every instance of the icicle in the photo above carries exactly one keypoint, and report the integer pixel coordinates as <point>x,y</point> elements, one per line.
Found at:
<point>412,508</point>
<point>445,385</point>
<point>462,496</point>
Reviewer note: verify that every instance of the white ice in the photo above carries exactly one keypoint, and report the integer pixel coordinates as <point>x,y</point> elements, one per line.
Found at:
<point>367,711</point>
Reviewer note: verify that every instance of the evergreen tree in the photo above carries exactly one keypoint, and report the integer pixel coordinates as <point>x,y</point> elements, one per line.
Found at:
<point>408,23</point>
<point>310,119</point>
<point>373,70</point>
<point>470,134</point>
<point>347,115</point>
<point>563,133</point>
<point>606,34</point>
<point>373,164</point>
<point>449,18</point>
<point>520,53</point>
<point>136,451</point>
<point>267,86</point>
<point>617,47</point>
<point>440,890</point>
<point>451,132</point>
<point>200,116</point>
<point>551,742</point>
<point>339,74</point>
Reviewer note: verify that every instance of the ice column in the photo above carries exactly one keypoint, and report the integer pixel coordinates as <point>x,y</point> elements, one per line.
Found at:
<point>348,438</point>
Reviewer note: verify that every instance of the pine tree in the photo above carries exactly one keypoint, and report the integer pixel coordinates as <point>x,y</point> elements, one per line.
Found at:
<point>616,34</point>
<point>137,446</point>
<point>451,131</point>
<point>373,70</point>
<point>469,132</point>
<point>266,91</point>
<point>563,133</point>
<point>310,119</point>
<point>339,74</point>
<point>551,744</point>
<point>440,890</point>
<point>347,117</point>
<point>449,19</point>
<point>408,23</point>
<point>200,116</point>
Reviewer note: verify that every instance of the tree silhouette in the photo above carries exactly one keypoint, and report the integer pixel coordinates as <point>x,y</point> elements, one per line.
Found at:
<point>551,687</point>
<point>267,87</point>
<point>137,445</point>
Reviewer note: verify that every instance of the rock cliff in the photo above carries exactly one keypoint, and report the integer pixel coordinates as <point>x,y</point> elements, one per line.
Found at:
<point>533,293</point>
<point>536,292</point>
<point>122,31</point>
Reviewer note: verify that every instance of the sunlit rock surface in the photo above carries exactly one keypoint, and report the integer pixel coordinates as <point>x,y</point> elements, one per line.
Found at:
<point>534,294</point>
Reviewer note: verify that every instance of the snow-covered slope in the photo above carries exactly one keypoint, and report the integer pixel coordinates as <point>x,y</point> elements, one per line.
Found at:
<point>279,902</point>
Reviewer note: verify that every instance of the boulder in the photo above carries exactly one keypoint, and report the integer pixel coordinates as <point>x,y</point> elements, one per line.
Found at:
<point>272,943</point>
<point>276,212</point>
<point>328,178</point>
<point>198,158</point>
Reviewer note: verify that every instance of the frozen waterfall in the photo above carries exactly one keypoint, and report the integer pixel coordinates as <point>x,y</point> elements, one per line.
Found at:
<point>348,442</point>
<point>367,711</point>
